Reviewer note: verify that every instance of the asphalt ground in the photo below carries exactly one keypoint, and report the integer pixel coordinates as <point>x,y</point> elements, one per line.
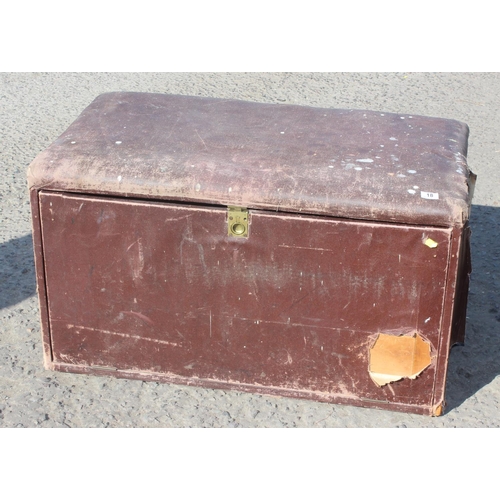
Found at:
<point>36,107</point>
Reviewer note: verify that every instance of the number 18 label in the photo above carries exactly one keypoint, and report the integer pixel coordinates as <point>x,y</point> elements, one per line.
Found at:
<point>429,196</point>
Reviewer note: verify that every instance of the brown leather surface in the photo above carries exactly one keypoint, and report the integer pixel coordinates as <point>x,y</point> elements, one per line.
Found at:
<point>156,288</point>
<point>158,291</point>
<point>346,163</point>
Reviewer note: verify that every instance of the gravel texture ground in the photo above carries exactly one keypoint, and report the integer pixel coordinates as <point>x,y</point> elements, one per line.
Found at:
<point>36,108</point>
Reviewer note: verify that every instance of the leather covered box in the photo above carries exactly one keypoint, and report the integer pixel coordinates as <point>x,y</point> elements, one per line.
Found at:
<point>278,249</point>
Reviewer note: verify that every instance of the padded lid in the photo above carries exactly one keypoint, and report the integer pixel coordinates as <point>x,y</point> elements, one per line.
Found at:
<point>344,163</point>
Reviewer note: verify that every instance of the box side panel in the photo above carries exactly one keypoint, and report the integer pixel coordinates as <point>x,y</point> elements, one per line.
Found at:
<point>40,277</point>
<point>295,307</point>
<point>454,309</point>
<point>461,296</point>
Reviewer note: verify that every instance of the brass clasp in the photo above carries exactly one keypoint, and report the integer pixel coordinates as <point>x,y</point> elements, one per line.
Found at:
<point>237,222</point>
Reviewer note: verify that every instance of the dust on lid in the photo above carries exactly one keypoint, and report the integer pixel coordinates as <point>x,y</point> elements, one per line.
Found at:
<point>354,164</point>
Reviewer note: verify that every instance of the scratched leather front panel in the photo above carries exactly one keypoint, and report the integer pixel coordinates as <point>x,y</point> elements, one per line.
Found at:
<point>161,288</point>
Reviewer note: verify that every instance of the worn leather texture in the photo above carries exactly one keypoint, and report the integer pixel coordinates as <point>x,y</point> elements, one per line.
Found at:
<point>346,163</point>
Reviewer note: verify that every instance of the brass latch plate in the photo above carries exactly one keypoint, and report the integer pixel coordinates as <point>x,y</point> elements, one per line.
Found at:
<point>237,222</point>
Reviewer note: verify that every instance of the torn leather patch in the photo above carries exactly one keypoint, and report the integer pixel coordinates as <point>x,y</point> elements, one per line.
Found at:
<point>393,358</point>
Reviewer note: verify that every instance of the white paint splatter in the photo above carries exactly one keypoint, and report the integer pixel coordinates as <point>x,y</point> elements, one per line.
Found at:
<point>392,139</point>
<point>415,187</point>
<point>427,320</point>
<point>119,178</point>
<point>365,160</point>
<point>330,166</point>
<point>401,175</point>
<point>118,142</point>
<point>358,168</point>
<point>197,187</point>
<point>411,191</point>
<point>412,171</point>
<point>229,189</point>
<point>282,132</point>
<point>73,142</point>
